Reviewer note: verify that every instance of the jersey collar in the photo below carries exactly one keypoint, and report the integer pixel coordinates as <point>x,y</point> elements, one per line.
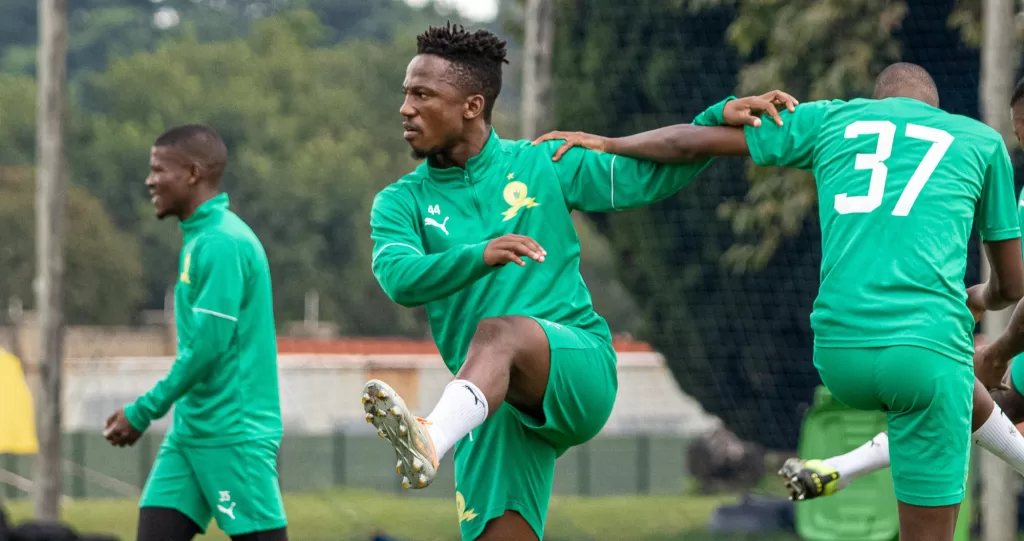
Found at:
<point>206,213</point>
<point>476,166</point>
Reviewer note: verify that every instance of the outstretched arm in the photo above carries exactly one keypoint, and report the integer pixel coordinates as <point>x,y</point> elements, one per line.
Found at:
<point>784,140</point>
<point>687,143</point>
<point>681,143</point>
<point>601,182</point>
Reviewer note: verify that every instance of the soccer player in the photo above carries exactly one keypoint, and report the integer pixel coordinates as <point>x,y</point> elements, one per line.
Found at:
<point>993,422</point>
<point>482,234</point>
<point>900,183</point>
<point>220,456</point>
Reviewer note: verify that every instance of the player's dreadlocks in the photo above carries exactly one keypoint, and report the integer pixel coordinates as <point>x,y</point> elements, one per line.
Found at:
<point>475,57</point>
<point>1018,93</point>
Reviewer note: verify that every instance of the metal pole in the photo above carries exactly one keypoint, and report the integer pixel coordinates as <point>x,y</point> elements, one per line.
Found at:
<point>538,48</point>
<point>999,60</point>
<point>51,223</point>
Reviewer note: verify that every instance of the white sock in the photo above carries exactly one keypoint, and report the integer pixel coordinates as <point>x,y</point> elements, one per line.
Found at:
<point>462,408</point>
<point>1002,439</point>
<point>864,460</point>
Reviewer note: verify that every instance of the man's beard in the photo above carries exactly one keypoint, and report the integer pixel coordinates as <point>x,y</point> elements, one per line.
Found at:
<point>432,152</point>
<point>431,155</point>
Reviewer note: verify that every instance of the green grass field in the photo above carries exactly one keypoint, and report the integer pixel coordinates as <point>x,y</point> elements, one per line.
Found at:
<point>357,515</point>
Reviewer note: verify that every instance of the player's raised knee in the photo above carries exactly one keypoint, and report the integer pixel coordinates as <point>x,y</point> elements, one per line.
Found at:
<point>493,330</point>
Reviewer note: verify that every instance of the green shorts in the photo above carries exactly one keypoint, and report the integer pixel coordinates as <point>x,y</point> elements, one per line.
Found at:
<point>508,463</point>
<point>237,484</point>
<point>928,399</point>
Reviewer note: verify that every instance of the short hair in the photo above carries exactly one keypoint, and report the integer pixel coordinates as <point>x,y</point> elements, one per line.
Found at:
<point>1018,93</point>
<point>202,144</point>
<point>475,58</point>
<point>903,78</point>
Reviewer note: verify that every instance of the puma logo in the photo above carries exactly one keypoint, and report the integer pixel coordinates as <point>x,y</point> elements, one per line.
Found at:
<point>229,511</point>
<point>443,226</point>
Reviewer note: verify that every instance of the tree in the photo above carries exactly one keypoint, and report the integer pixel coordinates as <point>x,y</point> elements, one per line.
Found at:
<point>103,269</point>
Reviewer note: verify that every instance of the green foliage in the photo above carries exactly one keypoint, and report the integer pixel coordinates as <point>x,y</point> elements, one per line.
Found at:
<point>17,119</point>
<point>102,263</point>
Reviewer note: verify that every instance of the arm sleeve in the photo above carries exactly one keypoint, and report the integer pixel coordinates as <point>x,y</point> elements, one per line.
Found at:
<point>793,143</point>
<point>407,275</point>
<point>220,279</point>
<point>600,182</point>
<point>996,217</point>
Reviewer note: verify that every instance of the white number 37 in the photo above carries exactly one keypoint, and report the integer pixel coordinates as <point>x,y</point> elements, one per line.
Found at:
<point>886,132</point>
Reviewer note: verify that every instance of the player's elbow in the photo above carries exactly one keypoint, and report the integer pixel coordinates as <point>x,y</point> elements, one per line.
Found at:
<point>406,301</point>
<point>685,144</point>
<point>1010,291</point>
<point>401,296</point>
<point>391,283</point>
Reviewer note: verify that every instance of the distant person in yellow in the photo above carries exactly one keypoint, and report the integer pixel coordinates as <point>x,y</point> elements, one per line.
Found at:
<point>17,417</point>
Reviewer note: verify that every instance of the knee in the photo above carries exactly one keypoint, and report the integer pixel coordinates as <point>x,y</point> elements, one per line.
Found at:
<point>1011,402</point>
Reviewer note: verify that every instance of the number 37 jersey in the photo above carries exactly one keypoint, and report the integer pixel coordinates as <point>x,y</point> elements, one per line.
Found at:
<point>900,184</point>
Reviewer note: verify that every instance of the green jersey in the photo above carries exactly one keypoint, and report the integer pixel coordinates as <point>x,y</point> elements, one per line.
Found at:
<point>224,380</point>
<point>900,184</point>
<point>430,229</point>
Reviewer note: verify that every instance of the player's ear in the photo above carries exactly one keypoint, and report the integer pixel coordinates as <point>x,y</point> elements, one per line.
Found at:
<point>194,172</point>
<point>473,107</point>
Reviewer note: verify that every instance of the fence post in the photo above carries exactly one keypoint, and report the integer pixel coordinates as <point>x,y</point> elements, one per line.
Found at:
<point>338,452</point>
<point>583,469</point>
<point>145,460</point>
<point>9,464</point>
<point>643,464</point>
<point>78,460</point>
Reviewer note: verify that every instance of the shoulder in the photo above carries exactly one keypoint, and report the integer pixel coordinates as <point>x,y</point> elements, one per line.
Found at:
<point>399,197</point>
<point>976,128</point>
<point>540,155</point>
<point>807,115</point>
<point>516,147</point>
<point>525,149</point>
<point>402,191</point>
<point>972,139</point>
<point>829,108</point>
<point>220,244</point>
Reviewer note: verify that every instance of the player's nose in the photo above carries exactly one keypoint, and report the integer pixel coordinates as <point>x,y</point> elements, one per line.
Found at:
<point>407,110</point>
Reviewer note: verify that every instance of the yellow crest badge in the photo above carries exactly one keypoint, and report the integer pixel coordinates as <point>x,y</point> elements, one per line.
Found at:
<point>516,197</point>
<point>184,269</point>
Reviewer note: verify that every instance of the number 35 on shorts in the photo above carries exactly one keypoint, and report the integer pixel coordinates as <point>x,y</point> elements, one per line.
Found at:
<point>886,132</point>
